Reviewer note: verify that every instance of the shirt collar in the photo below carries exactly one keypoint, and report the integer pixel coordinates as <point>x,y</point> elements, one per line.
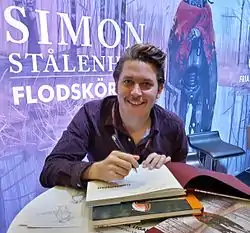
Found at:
<point>109,122</point>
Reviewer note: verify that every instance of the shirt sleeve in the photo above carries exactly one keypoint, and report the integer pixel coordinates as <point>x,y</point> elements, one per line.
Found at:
<point>64,164</point>
<point>180,147</point>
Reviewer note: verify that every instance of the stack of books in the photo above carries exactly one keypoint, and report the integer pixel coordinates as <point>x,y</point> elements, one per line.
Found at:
<point>142,195</point>
<point>158,194</point>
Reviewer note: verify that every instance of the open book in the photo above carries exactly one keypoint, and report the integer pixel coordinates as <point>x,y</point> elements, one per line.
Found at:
<point>169,181</point>
<point>137,211</point>
<point>145,184</point>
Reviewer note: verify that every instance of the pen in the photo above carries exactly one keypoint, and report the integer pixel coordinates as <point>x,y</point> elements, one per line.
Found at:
<point>120,146</point>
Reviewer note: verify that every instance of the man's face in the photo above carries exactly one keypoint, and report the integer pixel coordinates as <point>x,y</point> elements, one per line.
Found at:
<point>137,88</point>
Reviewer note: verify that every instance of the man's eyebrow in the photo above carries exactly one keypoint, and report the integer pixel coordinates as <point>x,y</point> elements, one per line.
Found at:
<point>147,79</point>
<point>127,77</point>
<point>142,78</point>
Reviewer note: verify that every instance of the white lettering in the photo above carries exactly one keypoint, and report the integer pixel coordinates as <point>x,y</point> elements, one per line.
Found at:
<point>59,92</point>
<point>111,88</point>
<point>81,63</point>
<point>74,35</point>
<point>15,62</point>
<point>100,90</point>
<point>43,27</point>
<point>34,60</point>
<point>98,62</point>
<point>29,98</point>
<point>51,62</point>
<point>76,93</point>
<point>134,33</point>
<point>86,91</point>
<point>50,91</point>
<point>111,63</point>
<point>16,24</point>
<point>66,64</point>
<point>101,33</point>
<point>17,95</point>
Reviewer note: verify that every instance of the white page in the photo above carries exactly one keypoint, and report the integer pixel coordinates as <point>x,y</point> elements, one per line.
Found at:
<point>142,182</point>
<point>68,215</point>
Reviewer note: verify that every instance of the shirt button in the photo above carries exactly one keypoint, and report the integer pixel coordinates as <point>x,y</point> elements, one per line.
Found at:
<point>129,139</point>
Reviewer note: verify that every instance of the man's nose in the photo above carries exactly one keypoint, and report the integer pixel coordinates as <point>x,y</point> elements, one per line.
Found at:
<point>136,91</point>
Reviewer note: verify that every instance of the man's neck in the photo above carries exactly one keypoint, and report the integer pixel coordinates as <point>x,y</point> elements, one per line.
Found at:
<point>133,124</point>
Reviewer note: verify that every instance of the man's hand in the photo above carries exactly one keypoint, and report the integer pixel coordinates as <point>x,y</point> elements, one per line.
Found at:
<point>155,160</point>
<point>115,167</point>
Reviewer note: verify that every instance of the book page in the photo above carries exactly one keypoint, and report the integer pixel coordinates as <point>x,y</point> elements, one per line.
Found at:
<point>142,182</point>
<point>59,216</point>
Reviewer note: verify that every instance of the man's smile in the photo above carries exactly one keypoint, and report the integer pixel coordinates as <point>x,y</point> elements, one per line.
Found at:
<point>135,102</point>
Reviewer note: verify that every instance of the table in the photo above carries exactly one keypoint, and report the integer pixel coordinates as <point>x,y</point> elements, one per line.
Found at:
<point>55,197</point>
<point>238,212</point>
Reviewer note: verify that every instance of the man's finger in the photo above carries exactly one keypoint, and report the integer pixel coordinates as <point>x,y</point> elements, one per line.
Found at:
<point>163,159</point>
<point>122,163</point>
<point>148,160</point>
<point>154,162</point>
<point>129,158</point>
<point>115,176</point>
<point>168,159</point>
<point>119,170</point>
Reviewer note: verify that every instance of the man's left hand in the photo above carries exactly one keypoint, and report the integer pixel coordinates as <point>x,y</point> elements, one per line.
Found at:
<point>155,160</point>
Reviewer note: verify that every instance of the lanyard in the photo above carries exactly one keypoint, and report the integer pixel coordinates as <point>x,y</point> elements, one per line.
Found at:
<point>115,136</point>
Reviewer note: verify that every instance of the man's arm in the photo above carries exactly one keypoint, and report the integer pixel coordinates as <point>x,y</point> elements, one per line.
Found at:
<point>64,165</point>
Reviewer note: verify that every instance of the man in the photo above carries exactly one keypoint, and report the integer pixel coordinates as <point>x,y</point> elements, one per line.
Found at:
<point>118,132</point>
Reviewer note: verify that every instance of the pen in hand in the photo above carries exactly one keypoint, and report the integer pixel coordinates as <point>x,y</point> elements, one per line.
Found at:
<point>120,146</point>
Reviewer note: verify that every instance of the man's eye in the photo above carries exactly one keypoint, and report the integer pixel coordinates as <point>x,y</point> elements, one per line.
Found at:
<point>128,82</point>
<point>146,84</point>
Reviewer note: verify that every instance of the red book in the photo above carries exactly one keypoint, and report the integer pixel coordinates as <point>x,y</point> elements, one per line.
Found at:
<point>192,178</point>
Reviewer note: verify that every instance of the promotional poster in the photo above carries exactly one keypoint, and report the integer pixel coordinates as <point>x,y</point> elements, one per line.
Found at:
<point>56,55</point>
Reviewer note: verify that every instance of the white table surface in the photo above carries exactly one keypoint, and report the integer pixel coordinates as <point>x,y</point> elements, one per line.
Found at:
<point>50,199</point>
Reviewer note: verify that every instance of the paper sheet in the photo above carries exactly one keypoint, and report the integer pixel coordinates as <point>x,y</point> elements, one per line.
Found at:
<point>68,215</point>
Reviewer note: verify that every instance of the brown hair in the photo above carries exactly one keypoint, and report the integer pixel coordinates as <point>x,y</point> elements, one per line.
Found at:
<point>143,52</point>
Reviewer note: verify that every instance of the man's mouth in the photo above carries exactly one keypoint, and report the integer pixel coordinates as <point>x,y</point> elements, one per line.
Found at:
<point>136,103</point>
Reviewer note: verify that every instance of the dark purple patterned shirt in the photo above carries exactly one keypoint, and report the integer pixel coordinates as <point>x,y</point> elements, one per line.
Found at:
<point>90,134</point>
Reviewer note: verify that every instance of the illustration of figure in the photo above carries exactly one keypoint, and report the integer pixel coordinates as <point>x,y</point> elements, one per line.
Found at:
<point>192,61</point>
<point>141,206</point>
<point>220,223</point>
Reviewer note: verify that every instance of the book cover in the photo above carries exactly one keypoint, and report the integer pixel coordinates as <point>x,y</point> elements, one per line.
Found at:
<point>192,178</point>
<point>142,210</point>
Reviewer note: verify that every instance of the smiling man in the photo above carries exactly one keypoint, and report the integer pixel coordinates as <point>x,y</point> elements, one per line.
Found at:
<point>120,132</point>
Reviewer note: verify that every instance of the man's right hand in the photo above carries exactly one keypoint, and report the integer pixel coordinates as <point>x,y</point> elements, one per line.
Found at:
<point>115,167</point>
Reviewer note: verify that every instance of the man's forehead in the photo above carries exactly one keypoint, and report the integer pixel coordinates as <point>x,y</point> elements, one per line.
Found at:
<point>137,64</point>
<point>138,69</point>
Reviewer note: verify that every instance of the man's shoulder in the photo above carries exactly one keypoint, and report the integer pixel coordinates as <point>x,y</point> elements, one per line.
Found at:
<point>167,118</point>
<point>93,108</point>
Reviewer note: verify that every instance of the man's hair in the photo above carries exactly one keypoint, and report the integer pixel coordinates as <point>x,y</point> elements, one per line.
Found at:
<point>147,53</point>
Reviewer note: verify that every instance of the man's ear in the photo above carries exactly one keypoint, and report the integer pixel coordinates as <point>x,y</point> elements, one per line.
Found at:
<point>160,89</point>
